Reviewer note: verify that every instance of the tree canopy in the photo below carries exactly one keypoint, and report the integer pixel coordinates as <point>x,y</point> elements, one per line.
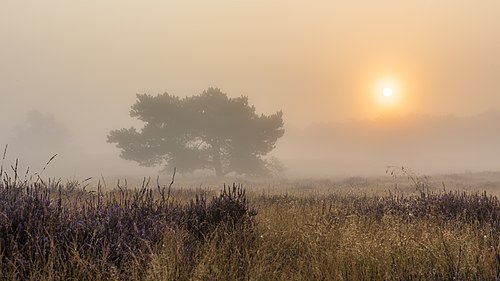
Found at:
<point>206,131</point>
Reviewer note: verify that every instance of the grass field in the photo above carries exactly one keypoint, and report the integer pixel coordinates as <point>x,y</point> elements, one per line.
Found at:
<point>403,228</point>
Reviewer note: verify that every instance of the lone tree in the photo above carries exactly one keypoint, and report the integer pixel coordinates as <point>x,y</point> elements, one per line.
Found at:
<point>207,131</point>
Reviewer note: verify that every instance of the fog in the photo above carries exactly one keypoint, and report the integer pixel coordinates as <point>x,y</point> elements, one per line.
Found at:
<point>70,71</point>
<point>427,144</point>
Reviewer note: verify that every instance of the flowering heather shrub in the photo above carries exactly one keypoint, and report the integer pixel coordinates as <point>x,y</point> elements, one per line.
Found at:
<point>45,226</point>
<point>451,205</point>
<point>230,209</point>
<point>425,204</point>
<point>479,208</point>
<point>216,221</point>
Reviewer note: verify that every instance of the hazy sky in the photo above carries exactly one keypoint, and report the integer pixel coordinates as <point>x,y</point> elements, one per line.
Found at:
<point>318,61</point>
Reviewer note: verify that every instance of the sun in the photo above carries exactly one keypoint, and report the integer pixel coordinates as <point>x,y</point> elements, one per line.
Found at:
<point>387,92</point>
<point>387,97</point>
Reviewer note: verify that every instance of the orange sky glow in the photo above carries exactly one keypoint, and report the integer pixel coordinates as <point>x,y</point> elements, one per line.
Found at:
<point>318,61</point>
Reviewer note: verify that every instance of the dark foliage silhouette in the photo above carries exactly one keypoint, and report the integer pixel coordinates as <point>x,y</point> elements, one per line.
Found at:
<point>206,131</point>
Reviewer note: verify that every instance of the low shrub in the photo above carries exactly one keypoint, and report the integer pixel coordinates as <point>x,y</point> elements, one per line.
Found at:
<point>52,230</point>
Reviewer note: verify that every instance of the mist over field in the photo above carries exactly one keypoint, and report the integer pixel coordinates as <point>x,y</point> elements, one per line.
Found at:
<point>69,73</point>
<point>427,144</point>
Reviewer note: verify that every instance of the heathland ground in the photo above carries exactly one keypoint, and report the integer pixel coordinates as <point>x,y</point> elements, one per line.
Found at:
<point>407,227</point>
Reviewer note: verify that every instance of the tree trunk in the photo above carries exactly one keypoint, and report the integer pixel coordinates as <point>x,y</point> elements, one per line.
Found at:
<point>216,162</point>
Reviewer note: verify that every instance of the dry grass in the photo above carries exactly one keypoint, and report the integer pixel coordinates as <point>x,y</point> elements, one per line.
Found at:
<point>300,243</point>
<point>320,237</point>
<point>354,229</point>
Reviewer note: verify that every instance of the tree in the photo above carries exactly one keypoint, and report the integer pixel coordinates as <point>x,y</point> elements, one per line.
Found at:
<point>206,131</point>
<point>40,137</point>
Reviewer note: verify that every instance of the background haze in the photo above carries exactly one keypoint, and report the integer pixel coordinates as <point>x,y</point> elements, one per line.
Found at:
<point>77,66</point>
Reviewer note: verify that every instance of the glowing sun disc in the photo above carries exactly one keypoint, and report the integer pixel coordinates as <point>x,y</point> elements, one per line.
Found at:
<point>387,92</point>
